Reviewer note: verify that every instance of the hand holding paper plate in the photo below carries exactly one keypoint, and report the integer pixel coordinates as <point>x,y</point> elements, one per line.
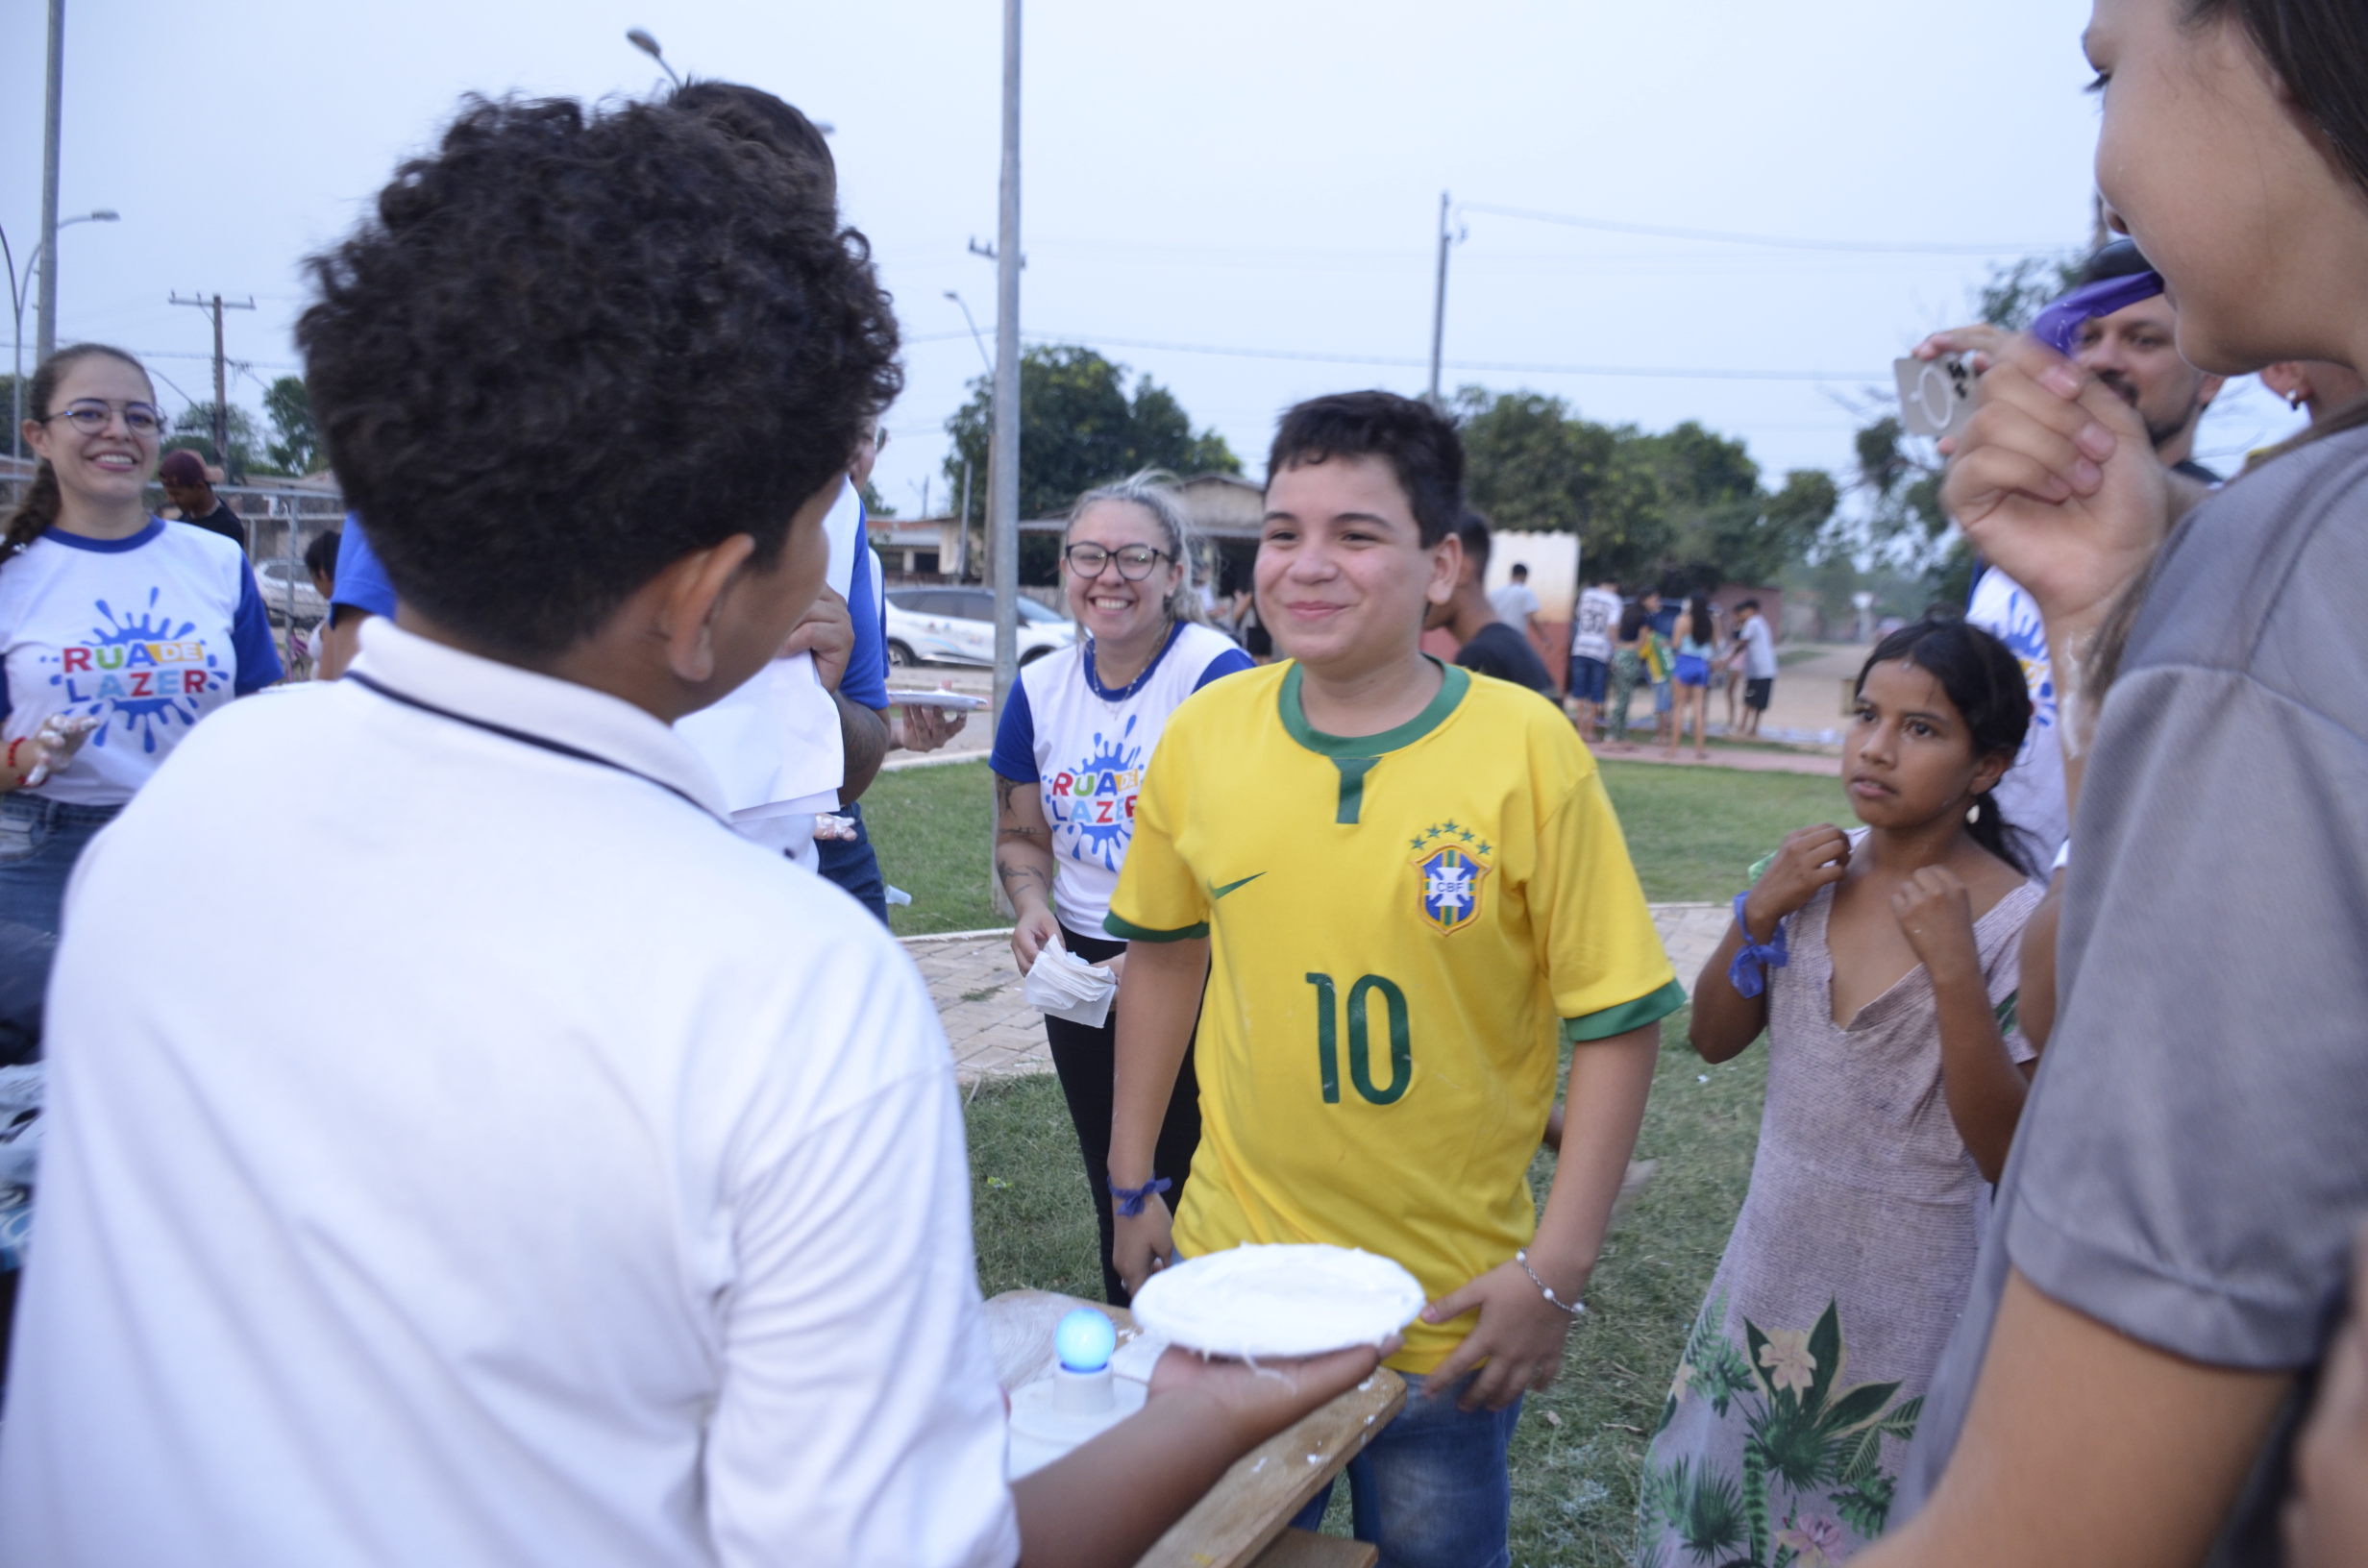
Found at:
<point>1278,1301</point>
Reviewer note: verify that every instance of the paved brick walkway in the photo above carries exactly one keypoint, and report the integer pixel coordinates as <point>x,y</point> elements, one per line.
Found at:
<point>995,1034</point>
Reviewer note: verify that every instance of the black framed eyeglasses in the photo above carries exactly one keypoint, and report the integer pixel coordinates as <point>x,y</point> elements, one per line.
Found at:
<point>1135,561</point>
<point>93,415</point>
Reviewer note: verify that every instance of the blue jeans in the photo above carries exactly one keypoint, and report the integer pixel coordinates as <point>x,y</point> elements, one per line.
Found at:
<point>39,842</point>
<point>1432,1491</point>
<point>1589,678</point>
<point>852,865</point>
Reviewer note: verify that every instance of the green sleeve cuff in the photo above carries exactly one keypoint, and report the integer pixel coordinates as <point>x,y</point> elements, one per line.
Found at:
<point>1128,931</point>
<point>1619,1021</point>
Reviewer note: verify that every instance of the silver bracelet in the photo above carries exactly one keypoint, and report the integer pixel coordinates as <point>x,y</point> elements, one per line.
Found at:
<point>1573,1308</point>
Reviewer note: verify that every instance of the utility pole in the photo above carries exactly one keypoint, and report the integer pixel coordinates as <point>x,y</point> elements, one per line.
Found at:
<point>45,315</point>
<point>962,535</point>
<point>221,405</point>
<point>1438,301</point>
<point>1003,451</point>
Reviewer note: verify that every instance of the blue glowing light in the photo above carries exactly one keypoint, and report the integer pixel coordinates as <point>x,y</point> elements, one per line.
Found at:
<point>1084,1340</point>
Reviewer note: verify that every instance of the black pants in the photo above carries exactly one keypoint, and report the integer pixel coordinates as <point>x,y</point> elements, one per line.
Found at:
<point>1085,1061</point>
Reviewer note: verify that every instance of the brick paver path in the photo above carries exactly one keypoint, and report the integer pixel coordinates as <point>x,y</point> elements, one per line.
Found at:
<point>995,1034</point>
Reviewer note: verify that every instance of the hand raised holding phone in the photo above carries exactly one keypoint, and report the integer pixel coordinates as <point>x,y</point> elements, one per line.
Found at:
<point>2056,484</point>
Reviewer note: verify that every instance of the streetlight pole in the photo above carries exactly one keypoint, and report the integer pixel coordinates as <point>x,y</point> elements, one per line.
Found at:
<point>19,284</point>
<point>1003,451</point>
<point>45,320</point>
<point>639,38</point>
<point>1438,301</point>
<point>976,336</point>
<point>962,535</point>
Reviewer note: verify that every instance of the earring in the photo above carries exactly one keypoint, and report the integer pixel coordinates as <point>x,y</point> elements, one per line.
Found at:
<point>2294,399</point>
<point>1973,813</point>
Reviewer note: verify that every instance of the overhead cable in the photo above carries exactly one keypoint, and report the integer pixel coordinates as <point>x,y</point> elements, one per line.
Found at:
<point>1870,247</point>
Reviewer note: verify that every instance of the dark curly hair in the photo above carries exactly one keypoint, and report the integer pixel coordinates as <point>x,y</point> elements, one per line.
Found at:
<point>576,345</point>
<point>1419,442</point>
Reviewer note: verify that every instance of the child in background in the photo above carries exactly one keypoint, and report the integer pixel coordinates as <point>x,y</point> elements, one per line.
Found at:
<point>304,642</point>
<point>1883,966</point>
<point>1406,888</point>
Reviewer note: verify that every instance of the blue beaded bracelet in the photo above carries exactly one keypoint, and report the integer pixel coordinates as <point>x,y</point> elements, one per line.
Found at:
<point>1749,973</point>
<point>1131,1199</point>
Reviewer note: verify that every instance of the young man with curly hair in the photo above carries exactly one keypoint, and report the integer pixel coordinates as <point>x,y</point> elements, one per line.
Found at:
<point>621,1216</point>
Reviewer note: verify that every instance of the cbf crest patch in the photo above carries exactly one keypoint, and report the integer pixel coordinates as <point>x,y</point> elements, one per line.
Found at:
<point>1449,871</point>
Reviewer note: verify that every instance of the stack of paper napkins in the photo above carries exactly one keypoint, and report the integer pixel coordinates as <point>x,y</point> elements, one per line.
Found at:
<point>1061,985</point>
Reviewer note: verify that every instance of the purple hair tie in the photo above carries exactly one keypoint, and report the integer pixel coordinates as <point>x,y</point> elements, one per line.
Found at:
<point>1131,1199</point>
<point>1748,973</point>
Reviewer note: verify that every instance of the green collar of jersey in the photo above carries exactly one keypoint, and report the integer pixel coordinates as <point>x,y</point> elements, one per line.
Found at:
<point>1451,690</point>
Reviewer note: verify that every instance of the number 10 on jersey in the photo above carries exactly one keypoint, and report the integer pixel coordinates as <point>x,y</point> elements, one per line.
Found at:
<point>1361,997</point>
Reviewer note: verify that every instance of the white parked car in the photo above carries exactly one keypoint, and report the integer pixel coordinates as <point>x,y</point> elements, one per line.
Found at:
<point>957,625</point>
<point>272,580</point>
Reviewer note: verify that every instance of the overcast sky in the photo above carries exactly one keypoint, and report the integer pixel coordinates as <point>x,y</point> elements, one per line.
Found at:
<point>1261,178</point>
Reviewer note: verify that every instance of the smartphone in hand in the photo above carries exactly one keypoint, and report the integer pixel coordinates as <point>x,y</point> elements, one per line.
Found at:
<point>1936,396</point>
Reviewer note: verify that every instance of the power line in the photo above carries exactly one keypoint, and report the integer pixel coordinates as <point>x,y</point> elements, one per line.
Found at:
<point>1311,356</point>
<point>1876,247</point>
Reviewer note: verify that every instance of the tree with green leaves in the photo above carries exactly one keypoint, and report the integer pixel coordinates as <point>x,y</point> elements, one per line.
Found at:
<point>1079,428</point>
<point>194,430</point>
<point>1684,505</point>
<point>295,445</point>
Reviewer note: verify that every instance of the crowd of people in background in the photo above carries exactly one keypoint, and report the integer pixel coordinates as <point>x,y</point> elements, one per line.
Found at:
<point>592,1189</point>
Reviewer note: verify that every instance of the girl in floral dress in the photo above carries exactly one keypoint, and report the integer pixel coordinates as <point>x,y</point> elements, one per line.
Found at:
<point>1882,965</point>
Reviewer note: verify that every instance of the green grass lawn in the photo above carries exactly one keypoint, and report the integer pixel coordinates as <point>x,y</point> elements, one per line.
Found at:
<point>1691,831</point>
<point>1579,1446</point>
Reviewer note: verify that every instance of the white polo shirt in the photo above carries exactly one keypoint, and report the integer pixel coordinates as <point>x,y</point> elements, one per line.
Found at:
<point>589,1191</point>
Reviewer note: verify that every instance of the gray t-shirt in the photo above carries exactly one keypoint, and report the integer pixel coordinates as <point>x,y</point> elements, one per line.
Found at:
<point>1514,603</point>
<point>1759,649</point>
<point>2194,1154</point>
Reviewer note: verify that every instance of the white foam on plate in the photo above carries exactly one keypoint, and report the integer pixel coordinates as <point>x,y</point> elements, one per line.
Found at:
<point>1278,1301</point>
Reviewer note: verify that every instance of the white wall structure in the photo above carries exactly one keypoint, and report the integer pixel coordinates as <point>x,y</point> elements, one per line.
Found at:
<point>1553,562</point>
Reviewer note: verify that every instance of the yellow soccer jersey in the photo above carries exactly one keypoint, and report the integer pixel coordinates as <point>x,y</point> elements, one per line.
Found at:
<point>1401,926</point>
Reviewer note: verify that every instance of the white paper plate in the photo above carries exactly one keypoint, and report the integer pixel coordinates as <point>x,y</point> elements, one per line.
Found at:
<point>1299,1300</point>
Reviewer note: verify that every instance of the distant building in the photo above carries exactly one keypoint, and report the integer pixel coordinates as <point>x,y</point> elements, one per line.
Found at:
<point>919,547</point>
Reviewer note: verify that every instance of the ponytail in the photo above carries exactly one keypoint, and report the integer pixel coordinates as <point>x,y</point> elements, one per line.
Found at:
<point>1990,829</point>
<point>33,514</point>
<point>38,509</point>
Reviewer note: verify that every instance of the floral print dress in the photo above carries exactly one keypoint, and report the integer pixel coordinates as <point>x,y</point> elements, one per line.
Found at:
<point>1782,1436</point>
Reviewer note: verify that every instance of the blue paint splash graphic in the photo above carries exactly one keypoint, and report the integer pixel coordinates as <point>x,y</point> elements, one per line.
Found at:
<point>1105,841</point>
<point>145,715</point>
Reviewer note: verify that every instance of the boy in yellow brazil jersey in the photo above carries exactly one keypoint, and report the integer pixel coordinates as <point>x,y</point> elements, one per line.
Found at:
<point>1406,887</point>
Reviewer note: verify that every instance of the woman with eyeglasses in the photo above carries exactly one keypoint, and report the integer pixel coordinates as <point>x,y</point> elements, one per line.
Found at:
<point>117,633</point>
<point>1076,734</point>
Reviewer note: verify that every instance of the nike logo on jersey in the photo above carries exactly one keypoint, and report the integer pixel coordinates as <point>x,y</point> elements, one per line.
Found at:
<point>1216,892</point>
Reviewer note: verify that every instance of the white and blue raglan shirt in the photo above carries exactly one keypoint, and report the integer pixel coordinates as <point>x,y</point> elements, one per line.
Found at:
<point>2031,796</point>
<point>1085,748</point>
<point>147,634</point>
